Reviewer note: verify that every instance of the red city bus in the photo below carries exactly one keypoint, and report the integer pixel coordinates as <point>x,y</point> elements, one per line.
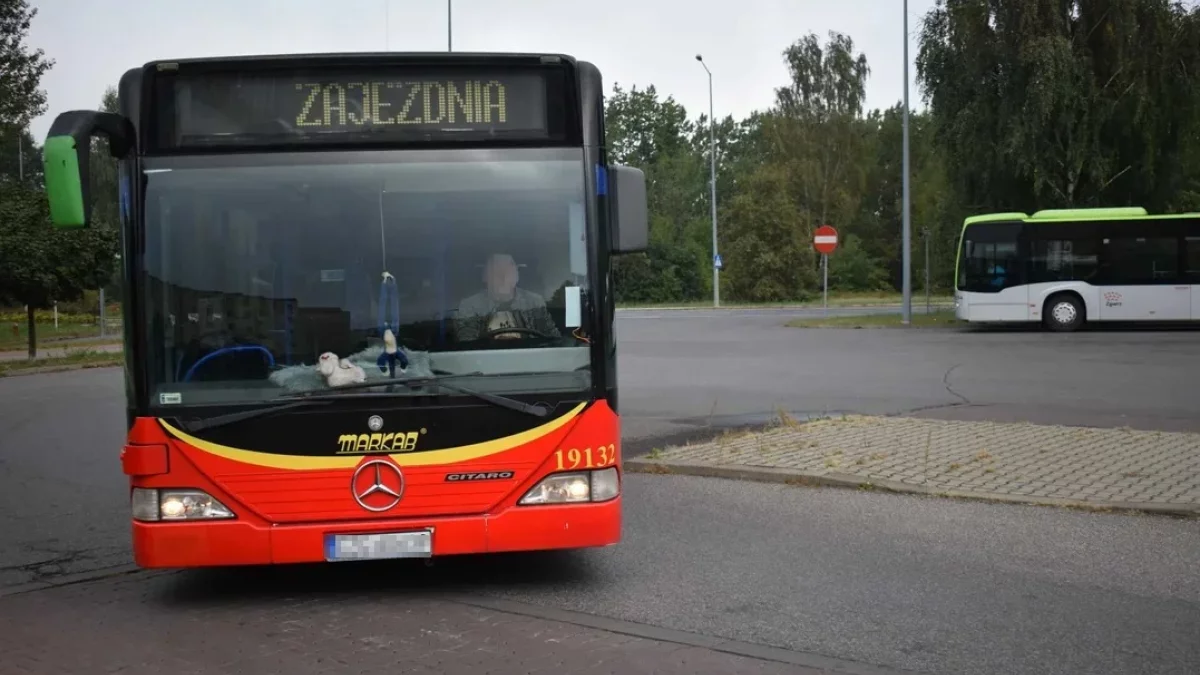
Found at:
<point>368,303</point>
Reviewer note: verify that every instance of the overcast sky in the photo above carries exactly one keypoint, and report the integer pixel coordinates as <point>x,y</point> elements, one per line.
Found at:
<point>638,42</point>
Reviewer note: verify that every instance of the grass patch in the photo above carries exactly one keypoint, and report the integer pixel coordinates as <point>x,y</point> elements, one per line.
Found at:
<point>935,320</point>
<point>843,299</point>
<point>76,359</point>
<point>48,335</point>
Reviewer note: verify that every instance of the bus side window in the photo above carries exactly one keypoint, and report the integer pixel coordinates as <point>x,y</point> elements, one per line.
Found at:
<point>1064,252</point>
<point>1142,260</point>
<point>1191,270</point>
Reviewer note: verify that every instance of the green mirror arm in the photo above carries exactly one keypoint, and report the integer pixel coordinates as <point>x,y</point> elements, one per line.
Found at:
<point>81,125</point>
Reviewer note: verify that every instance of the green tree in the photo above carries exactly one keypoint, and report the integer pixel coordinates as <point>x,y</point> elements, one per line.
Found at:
<point>817,127</point>
<point>640,128</point>
<point>102,168</point>
<point>20,156</point>
<point>21,69</point>
<point>880,219</point>
<point>655,135</point>
<point>768,258</point>
<point>21,98</point>
<point>1059,104</point>
<point>730,138</point>
<point>852,268</point>
<point>1032,104</point>
<point>105,190</point>
<point>812,148</point>
<point>40,264</point>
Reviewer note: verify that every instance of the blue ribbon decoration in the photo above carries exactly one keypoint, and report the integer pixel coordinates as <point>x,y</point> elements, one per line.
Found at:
<point>389,322</point>
<point>389,304</point>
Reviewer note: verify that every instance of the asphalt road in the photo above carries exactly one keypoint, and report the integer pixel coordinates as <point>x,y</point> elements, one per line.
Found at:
<point>900,582</point>
<point>63,498</point>
<point>688,369</point>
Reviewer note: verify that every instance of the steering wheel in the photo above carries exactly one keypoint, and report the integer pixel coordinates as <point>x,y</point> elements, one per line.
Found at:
<point>492,334</point>
<point>270,359</point>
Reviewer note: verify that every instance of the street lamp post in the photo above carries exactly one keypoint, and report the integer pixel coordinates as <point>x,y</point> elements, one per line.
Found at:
<point>712,179</point>
<point>449,31</point>
<point>906,237</point>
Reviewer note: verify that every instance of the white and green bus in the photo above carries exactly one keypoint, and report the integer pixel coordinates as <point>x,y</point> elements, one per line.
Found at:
<point>1064,268</point>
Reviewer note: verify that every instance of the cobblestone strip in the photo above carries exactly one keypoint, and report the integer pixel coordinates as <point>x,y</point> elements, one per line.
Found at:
<point>1022,462</point>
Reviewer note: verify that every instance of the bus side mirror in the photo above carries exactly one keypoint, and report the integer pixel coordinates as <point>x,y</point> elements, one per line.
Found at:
<point>630,223</point>
<point>65,160</point>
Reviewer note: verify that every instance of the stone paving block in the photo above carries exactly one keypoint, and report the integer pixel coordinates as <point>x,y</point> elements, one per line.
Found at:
<point>1081,464</point>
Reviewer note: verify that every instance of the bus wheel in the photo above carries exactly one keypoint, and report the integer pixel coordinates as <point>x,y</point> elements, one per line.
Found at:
<point>1063,313</point>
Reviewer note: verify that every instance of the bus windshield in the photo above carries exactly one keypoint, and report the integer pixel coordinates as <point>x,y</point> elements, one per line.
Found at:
<point>989,260</point>
<point>257,265</point>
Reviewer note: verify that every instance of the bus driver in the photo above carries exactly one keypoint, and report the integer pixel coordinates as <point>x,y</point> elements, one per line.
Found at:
<point>502,305</point>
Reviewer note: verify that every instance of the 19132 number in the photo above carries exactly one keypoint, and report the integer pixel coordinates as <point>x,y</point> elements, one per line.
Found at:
<point>586,458</point>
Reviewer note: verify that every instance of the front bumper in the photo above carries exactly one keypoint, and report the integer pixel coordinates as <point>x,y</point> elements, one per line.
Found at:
<point>962,310</point>
<point>239,542</point>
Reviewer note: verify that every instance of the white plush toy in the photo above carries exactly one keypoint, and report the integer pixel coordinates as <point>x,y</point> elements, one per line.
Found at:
<point>338,373</point>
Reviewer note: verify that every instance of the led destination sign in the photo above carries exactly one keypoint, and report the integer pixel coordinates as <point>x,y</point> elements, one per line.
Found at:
<point>368,105</point>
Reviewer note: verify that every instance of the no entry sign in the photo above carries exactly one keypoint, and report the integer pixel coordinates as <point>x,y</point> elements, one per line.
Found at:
<point>825,239</point>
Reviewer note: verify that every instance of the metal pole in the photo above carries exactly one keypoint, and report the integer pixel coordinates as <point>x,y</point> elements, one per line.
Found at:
<point>102,326</point>
<point>21,154</point>
<point>712,179</point>
<point>928,305</point>
<point>449,28</point>
<point>906,254</point>
<point>825,282</point>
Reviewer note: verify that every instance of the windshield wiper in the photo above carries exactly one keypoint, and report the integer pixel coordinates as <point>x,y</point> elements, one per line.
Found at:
<point>437,381</point>
<point>200,424</point>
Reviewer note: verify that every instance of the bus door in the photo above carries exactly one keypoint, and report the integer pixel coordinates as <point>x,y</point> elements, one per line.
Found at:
<point>994,271</point>
<point>1140,278</point>
<point>1191,270</point>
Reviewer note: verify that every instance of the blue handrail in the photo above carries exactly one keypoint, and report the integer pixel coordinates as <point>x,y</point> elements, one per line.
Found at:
<point>228,350</point>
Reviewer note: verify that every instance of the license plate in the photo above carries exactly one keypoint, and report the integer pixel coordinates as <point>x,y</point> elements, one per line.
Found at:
<point>378,546</point>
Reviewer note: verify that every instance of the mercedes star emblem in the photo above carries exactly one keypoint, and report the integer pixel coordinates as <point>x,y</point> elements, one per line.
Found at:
<point>375,423</point>
<point>377,485</point>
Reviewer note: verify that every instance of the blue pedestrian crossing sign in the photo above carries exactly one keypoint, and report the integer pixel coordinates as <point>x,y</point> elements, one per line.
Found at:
<point>717,261</point>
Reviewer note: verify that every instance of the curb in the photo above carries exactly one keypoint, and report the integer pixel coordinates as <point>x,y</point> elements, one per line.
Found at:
<point>60,353</point>
<point>688,308</point>
<point>841,480</point>
<point>45,370</point>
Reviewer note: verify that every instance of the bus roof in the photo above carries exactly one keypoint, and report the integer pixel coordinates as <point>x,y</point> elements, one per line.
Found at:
<point>373,57</point>
<point>1111,213</point>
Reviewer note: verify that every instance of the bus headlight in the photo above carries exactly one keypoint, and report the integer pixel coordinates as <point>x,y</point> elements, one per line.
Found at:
<point>175,505</point>
<point>573,488</point>
<point>605,484</point>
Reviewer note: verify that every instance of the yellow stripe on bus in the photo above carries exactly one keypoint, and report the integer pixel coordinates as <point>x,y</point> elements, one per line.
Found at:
<point>462,453</point>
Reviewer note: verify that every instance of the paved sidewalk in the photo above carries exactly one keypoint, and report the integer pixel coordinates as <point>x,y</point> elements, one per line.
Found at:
<point>1067,466</point>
